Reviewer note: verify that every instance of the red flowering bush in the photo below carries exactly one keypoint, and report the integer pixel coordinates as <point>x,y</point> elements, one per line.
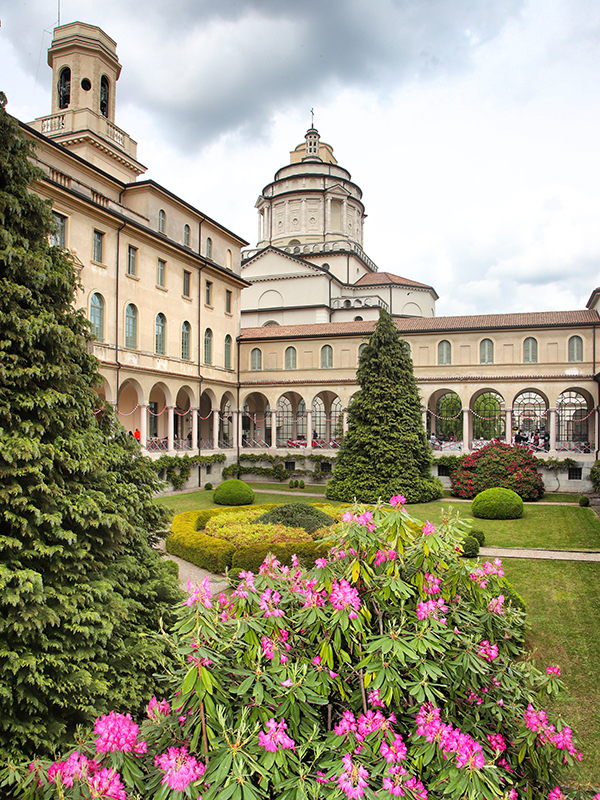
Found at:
<point>498,465</point>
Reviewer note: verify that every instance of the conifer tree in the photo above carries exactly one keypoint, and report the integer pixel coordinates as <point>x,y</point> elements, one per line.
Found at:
<point>81,589</point>
<point>385,451</point>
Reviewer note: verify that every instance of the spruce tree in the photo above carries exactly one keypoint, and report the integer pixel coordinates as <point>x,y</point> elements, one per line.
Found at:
<point>81,589</point>
<point>385,451</point>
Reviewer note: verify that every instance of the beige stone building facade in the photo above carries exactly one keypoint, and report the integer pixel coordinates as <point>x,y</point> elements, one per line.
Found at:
<point>161,279</point>
<point>208,347</point>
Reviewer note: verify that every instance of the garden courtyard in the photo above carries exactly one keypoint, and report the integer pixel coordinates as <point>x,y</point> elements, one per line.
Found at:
<point>562,597</point>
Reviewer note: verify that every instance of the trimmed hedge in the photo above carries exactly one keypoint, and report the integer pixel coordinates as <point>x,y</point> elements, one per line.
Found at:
<point>479,535</point>
<point>196,547</point>
<point>470,547</point>
<point>233,493</point>
<point>297,515</point>
<point>497,504</point>
<point>217,555</point>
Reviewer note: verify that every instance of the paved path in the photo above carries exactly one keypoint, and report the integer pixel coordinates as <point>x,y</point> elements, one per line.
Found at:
<point>552,555</point>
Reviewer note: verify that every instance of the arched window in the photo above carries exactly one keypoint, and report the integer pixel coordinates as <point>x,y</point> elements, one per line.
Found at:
<point>488,416</point>
<point>256,359</point>
<point>229,260</point>
<point>104,95</point>
<point>162,221</point>
<point>290,358</point>
<point>186,341</point>
<point>572,418</point>
<point>530,350</point>
<point>448,417</point>
<point>64,88</point>
<point>486,351</point>
<point>575,348</point>
<point>227,352</point>
<point>97,316</point>
<point>160,345</point>
<point>186,235</point>
<point>327,357</point>
<point>361,350</point>
<point>208,339</point>
<point>209,247</point>
<point>444,353</point>
<point>131,316</point>
<point>529,412</point>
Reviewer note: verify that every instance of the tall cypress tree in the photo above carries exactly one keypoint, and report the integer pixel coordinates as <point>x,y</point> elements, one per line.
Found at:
<point>385,451</point>
<point>81,589</point>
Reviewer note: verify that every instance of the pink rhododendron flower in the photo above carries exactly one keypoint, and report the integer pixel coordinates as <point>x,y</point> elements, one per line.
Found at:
<point>275,737</point>
<point>157,710</point>
<point>316,661</point>
<point>384,555</point>
<point>428,528</point>
<point>433,609</point>
<point>269,600</point>
<point>451,741</point>
<point>397,500</point>
<point>431,584</point>
<point>487,650</point>
<point>344,597</point>
<point>199,593</point>
<point>287,683</point>
<point>496,605</point>
<point>497,742</point>
<point>553,671</point>
<point>107,783</point>
<point>76,767</point>
<point>321,563</point>
<point>374,699</point>
<point>118,733</point>
<point>556,794</point>
<point>269,566</point>
<point>353,779</point>
<point>347,516</point>
<point>394,752</point>
<point>268,647</point>
<point>180,768</point>
<point>347,724</point>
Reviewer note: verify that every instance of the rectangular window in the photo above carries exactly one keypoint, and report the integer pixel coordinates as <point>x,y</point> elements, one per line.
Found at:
<point>131,260</point>
<point>325,466</point>
<point>98,241</point>
<point>228,296</point>
<point>575,473</point>
<point>290,466</point>
<point>443,471</point>
<point>59,237</point>
<point>209,288</point>
<point>187,281</point>
<point>161,272</point>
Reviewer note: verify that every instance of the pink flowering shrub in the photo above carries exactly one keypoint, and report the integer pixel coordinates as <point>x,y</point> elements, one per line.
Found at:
<point>389,669</point>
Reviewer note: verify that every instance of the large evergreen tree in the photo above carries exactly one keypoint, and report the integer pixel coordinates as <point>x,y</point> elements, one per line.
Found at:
<point>385,451</point>
<point>81,589</point>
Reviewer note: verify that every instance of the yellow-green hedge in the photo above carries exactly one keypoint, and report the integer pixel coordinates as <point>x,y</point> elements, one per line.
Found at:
<point>194,546</point>
<point>216,555</point>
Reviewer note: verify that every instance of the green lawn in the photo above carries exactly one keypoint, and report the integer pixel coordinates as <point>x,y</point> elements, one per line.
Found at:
<point>189,501</point>
<point>563,609</point>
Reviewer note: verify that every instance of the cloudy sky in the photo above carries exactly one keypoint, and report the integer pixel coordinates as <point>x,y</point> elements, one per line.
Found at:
<point>472,126</point>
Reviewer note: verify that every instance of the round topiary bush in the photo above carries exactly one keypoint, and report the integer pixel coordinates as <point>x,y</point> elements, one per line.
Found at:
<point>479,535</point>
<point>208,486</point>
<point>497,504</point>
<point>470,547</point>
<point>584,500</point>
<point>233,493</point>
<point>297,515</point>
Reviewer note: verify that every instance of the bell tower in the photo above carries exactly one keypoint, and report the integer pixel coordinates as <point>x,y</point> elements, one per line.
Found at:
<point>85,70</point>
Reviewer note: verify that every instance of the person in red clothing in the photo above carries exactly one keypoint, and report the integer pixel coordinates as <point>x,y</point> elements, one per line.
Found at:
<point>137,434</point>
